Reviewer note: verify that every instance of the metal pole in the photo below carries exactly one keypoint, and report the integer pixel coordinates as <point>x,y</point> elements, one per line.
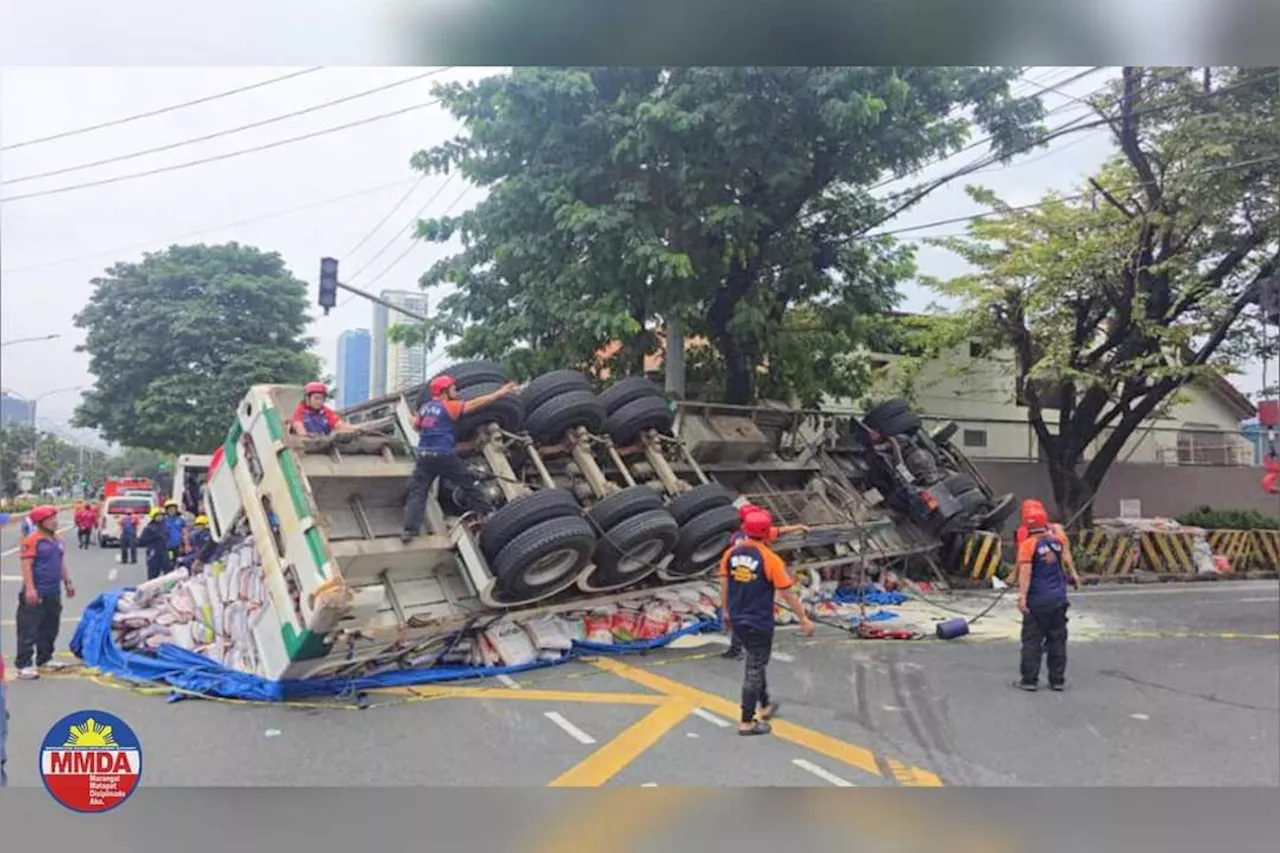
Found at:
<point>29,340</point>
<point>674,358</point>
<point>378,299</point>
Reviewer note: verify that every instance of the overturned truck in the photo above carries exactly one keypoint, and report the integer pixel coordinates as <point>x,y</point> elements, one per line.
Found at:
<point>601,494</point>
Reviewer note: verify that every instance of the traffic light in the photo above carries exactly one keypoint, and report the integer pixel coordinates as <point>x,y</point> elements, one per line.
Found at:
<point>328,283</point>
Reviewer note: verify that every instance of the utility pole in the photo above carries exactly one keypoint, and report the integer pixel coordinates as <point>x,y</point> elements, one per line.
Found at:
<point>673,358</point>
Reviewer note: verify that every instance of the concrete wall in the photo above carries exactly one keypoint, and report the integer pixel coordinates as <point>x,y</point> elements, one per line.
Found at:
<point>1163,490</point>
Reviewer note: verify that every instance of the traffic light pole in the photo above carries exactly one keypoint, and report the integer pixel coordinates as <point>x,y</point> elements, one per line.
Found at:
<point>378,299</point>
<point>329,286</point>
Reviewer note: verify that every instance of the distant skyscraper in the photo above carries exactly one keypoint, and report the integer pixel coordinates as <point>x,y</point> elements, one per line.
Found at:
<point>353,367</point>
<point>15,410</point>
<point>396,366</point>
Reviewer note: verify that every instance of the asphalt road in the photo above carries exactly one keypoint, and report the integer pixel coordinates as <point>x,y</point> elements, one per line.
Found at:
<point>1180,685</point>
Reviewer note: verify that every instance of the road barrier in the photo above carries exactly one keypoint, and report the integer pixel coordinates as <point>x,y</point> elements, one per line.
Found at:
<point>1168,552</point>
<point>1105,552</point>
<point>982,555</point>
<point>1238,546</point>
<point>1265,551</point>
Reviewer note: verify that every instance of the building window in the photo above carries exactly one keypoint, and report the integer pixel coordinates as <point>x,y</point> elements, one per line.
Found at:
<point>1203,444</point>
<point>975,438</point>
<point>977,350</point>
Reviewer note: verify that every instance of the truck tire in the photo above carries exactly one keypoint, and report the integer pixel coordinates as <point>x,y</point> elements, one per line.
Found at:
<point>703,540</point>
<point>467,374</point>
<point>549,422</point>
<point>699,499</point>
<point>543,558</point>
<point>626,391</point>
<point>893,417</point>
<point>507,412</point>
<point>959,484</point>
<point>626,424</point>
<point>633,548</point>
<point>613,509</point>
<point>524,512</point>
<point>994,518</point>
<point>550,385</point>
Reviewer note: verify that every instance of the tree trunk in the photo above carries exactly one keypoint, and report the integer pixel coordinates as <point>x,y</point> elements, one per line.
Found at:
<point>1071,493</point>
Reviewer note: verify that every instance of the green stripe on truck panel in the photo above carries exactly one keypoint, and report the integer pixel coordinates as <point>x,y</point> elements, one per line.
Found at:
<point>293,479</point>
<point>305,646</point>
<point>316,545</point>
<point>274,427</point>
<point>232,447</point>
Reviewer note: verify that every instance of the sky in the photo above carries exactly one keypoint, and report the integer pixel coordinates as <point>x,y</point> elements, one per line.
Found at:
<point>306,199</point>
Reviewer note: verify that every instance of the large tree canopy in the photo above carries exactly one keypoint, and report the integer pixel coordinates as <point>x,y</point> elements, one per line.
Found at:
<point>734,201</point>
<point>176,340</point>
<point>1114,298</point>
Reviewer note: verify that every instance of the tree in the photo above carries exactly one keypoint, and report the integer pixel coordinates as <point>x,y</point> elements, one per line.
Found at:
<point>139,462</point>
<point>176,340</point>
<point>733,201</point>
<point>1115,298</point>
<point>57,462</point>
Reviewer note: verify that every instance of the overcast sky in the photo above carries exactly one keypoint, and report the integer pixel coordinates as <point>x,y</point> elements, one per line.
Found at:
<point>305,199</point>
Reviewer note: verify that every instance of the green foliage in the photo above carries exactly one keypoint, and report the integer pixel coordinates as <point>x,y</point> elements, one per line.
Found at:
<point>176,340</point>
<point>733,200</point>
<point>57,462</point>
<point>1121,295</point>
<point>1229,519</point>
<point>139,462</point>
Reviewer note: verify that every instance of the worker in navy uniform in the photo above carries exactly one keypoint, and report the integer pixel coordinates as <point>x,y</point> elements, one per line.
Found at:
<point>43,556</point>
<point>1044,568</point>
<point>750,576</point>
<point>437,425</point>
<point>735,645</point>
<point>154,538</point>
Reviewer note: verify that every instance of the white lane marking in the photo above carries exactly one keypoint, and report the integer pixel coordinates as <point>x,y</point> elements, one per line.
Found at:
<point>15,550</point>
<point>821,773</point>
<point>111,575</point>
<point>1139,717</point>
<point>1253,600</point>
<point>1094,731</point>
<point>711,718</point>
<point>573,731</point>
<point>783,656</point>
<point>509,682</point>
<point>11,578</point>
<point>690,734</point>
<point>649,785</point>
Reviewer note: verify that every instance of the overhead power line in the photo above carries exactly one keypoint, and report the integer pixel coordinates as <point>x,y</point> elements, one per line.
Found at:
<point>250,221</point>
<point>206,99</point>
<point>226,156</point>
<point>383,221</point>
<point>417,214</point>
<point>229,131</point>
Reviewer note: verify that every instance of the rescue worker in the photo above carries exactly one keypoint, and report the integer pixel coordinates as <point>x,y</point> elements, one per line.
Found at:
<point>437,422</point>
<point>750,576</point>
<point>129,538</point>
<point>200,535</point>
<point>155,539</point>
<point>175,527</point>
<point>735,645</point>
<point>84,521</point>
<point>312,417</point>
<point>27,527</point>
<point>1044,568</point>
<point>44,578</point>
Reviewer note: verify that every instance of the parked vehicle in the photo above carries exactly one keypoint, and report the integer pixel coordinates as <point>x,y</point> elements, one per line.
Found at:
<point>115,486</point>
<point>114,511</point>
<point>190,477</point>
<point>599,495</point>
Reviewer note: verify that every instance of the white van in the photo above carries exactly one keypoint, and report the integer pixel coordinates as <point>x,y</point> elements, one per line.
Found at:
<point>114,511</point>
<point>190,479</point>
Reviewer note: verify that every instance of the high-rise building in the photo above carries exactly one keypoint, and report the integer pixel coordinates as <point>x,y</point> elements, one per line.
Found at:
<point>354,351</point>
<point>15,410</point>
<point>396,366</point>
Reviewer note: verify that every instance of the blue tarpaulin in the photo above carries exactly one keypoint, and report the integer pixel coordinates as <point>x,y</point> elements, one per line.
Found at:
<point>868,596</point>
<point>94,643</point>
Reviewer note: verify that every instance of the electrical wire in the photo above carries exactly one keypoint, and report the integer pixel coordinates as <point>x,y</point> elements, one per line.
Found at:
<point>227,132</point>
<point>413,245</point>
<point>225,156</point>
<point>206,99</point>
<point>383,220</point>
<point>250,221</point>
<point>408,225</point>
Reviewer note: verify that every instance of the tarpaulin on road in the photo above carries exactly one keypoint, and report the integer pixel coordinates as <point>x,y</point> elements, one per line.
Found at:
<point>94,643</point>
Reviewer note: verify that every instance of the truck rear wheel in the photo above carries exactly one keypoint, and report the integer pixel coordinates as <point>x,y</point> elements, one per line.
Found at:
<point>507,412</point>
<point>543,558</point>
<point>626,424</point>
<point>613,509</point>
<point>521,514</point>
<point>698,500</point>
<point>703,540</point>
<point>628,390</point>
<point>632,548</point>
<point>467,374</point>
<point>549,422</point>
<point>550,385</point>
<point>892,417</point>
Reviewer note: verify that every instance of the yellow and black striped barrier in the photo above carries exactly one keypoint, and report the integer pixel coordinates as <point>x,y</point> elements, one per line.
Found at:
<point>1107,553</point>
<point>1236,545</point>
<point>1266,549</point>
<point>1168,553</point>
<point>982,555</point>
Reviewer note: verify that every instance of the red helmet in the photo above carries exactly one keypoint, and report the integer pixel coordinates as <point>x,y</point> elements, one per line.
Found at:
<point>1034,515</point>
<point>441,384</point>
<point>745,510</point>
<point>316,388</point>
<point>42,513</point>
<point>759,525</point>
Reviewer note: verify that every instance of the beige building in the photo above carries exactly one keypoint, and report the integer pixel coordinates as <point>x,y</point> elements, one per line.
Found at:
<point>978,391</point>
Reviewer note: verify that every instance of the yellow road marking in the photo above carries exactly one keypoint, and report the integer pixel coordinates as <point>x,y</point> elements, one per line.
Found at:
<point>523,695</point>
<point>613,819</point>
<point>609,760</point>
<point>856,756</point>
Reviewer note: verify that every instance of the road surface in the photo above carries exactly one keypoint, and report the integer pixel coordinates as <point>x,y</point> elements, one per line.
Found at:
<point>1180,687</point>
